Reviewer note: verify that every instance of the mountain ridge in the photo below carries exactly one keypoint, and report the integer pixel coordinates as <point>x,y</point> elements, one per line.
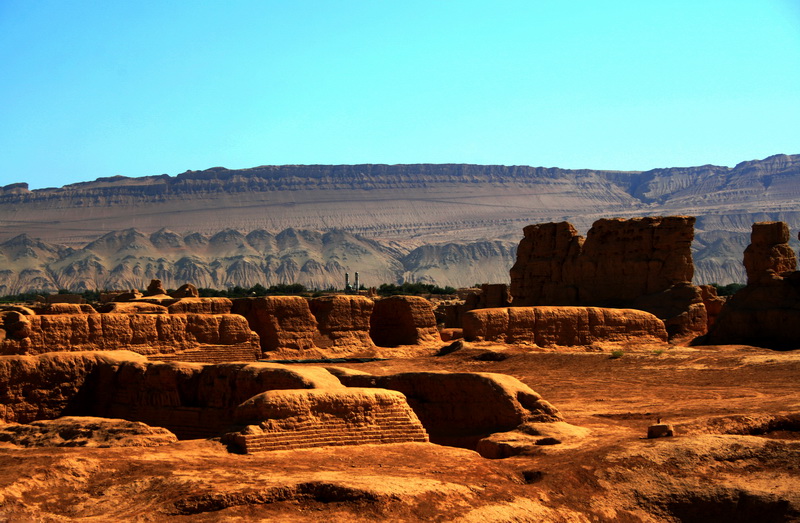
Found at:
<point>452,212</point>
<point>129,259</point>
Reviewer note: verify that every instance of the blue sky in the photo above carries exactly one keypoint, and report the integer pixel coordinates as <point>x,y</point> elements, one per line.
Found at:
<point>104,88</point>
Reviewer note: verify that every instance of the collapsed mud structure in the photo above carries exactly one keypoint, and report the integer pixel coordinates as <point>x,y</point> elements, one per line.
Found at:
<point>766,312</point>
<point>188,337</point>
<point>217,330</point>
<point>267,406</point>
<point>640,263</point>
<point>564,326</point>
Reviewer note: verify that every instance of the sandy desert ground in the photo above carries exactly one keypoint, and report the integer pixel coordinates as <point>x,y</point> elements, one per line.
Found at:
<point>735,456</point>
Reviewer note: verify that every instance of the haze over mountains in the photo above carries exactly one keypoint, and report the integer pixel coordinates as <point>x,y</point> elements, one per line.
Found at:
<point>449,224</point>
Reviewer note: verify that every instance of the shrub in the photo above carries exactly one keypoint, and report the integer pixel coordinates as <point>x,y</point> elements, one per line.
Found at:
<point>728,290</point>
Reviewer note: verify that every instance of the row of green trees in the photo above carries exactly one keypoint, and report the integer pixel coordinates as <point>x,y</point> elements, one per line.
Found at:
<point>88,296</point>
<point>281,289</point>
<point>728,290</point>
<point>390,289</point>
<point>296,289</point>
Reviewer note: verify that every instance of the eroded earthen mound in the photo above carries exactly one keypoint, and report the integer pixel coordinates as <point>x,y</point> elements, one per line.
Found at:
<point>85,431</point>
<point>132,307</point>
<point>640,263</point>
<point>299,406</point>
<point>342,321</point>
<point>197,337</point>
<point>769,254</point>
<point>546,326</point>
<point>289,419</point>
<point>282,322</point>
<point>460,408</point>
<point>767,311</point>
<point>194,305</point>
<point>403,320</point>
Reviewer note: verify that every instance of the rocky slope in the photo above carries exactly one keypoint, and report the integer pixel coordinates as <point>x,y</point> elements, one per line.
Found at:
<point>129,259</point>
<point>452,224</point>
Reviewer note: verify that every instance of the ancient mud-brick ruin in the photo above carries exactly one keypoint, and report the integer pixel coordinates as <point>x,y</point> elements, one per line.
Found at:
<point>565,326</point>
<point>342,321</point>
<point>461,408</point>
<point>769,255</point>
<point>188,337</point>
<point>266,406</point>
<point>403,320</point>
<point>766,312</point>
<point>640,263</point>
<point>289,419</point>
<point>219,329</point>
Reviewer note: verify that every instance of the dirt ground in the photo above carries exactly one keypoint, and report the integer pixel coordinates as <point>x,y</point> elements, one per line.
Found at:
<point>727,462</point>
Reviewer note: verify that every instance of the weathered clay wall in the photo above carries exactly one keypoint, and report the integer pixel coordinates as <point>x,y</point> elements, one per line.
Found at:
<point>191,400</point>
<point>132,307</point>
<point>545,270</point>
<point>769,254</point>
<point>290,419</point>
<point>712,302</point>
<point>66,308</point>
<point>342,321</point>
<point>54,384</point>
<point>201,306</point>
<point>314,407</point>
<point>194,400</point>
<point>216,330</point>
<point>766,312</point>
<point>460,408</point>
<point>566,326</point>
<point>489,296</point>
<point>194,336</point>
<point>282,322</point>
<point>403,320</point>
<point>642,263</point>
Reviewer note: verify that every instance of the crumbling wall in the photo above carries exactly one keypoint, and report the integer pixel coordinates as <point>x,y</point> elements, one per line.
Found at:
<point>282,322</point>
<point>769,255</point>
<point>52,385</point>
<point>459,408</point>
<point>193,305</point>
<point>766,312</point>
<point>566,326</point>
<point>194,400</point>
<point>291,419</point>
<point>342,321</point>
<point>490,295</point>
<point>403,320</point>
<point>642,263</point>
<point>190,399</point>
<point>284,407</point>
<point>267,406</point>
<point>196,337</point>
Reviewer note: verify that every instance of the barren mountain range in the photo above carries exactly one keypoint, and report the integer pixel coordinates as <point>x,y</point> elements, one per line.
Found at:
<point>448,224</point>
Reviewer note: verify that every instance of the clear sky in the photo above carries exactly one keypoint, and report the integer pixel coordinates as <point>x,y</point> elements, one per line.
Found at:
<point>109,87</point>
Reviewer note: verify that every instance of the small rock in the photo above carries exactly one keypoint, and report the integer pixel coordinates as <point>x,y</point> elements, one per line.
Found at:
<point>491,356</point>
<point>448,349</point>
<point>660,430</point>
